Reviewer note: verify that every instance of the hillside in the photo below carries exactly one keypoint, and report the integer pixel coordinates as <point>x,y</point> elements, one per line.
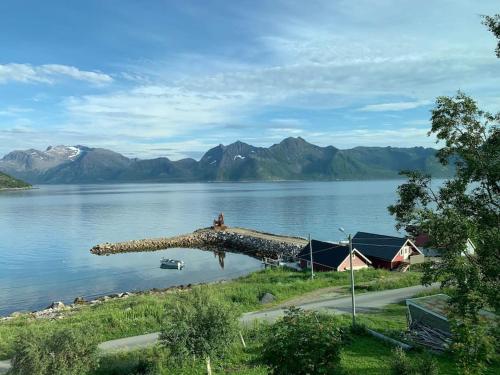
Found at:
<point>8,182</point>
<point>291,159</point>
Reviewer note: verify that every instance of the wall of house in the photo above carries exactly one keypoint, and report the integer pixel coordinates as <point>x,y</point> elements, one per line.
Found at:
<point>400,258</point>
<point>357,264</point>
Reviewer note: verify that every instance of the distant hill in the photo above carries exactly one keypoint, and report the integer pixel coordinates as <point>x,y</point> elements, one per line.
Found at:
<point>291,159</point>
<point>8,182</point>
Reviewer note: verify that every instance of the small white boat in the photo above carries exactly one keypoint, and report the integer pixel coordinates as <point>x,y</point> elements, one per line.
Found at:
<point>172,263</point>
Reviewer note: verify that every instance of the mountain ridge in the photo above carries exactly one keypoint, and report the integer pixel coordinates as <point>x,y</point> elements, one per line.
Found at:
<point>291,159</point>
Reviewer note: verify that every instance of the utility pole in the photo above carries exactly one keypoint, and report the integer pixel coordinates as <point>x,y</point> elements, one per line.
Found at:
<point>352,283</point>
<point>353,300</point>
<point>311,257</point>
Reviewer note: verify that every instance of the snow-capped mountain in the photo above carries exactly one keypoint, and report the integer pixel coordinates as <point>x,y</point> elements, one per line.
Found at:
<point>40,161</point>
<point>291,159</point>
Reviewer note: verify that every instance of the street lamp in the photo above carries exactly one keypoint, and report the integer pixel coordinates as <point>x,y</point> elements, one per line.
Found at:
<point>349,237</point>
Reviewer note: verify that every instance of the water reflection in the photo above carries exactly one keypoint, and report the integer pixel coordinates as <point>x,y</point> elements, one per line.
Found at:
<point>220,255</point>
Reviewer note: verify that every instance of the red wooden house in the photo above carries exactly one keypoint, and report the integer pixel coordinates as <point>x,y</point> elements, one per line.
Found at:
<point>386,251</point>
<point>331,257</point>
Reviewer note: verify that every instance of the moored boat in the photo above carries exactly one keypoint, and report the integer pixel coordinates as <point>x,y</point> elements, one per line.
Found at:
<point>172,263</point>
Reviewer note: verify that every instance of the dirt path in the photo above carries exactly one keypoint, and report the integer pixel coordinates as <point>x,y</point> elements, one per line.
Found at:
<point>267,236</point>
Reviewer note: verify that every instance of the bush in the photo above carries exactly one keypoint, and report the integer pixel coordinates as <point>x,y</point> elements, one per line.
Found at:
<point>62,352</point>
<point>199,326</point>
<point>401,364</point>
<point>303,343</point>
<point>404,365</point>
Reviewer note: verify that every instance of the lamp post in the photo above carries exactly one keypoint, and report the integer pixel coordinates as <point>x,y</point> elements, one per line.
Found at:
<point>311,257</point>
<point>349,237</point>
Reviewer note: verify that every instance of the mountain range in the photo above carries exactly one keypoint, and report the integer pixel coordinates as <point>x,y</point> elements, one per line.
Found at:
<point>291,159</point>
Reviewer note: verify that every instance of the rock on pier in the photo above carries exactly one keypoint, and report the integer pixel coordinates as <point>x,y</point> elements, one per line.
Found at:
<point>237,240</point>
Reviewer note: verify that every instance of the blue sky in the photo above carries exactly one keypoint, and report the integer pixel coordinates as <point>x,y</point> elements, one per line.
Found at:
<point>174,78</point>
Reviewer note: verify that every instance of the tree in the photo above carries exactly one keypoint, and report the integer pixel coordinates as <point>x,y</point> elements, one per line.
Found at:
<point>467,206</point>
<point>62,352</point>
<point>199,326</point>
<point>303,343</point>
<point>493,24</point>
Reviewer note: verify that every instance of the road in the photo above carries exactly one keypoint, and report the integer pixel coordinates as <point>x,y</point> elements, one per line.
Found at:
<point>365,303</point>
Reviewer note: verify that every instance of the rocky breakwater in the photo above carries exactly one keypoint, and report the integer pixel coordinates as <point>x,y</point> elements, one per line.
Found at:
<point>237,240</point>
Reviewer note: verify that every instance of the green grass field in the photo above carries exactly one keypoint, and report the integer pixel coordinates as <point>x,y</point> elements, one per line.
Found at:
<point>363,354</point>
<point>144,313</point>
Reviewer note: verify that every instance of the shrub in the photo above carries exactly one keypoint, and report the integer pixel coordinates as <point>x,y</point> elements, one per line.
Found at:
<point>303,343</point>
<point>199,326</point>
<point>404,365</point>
<point>62,352</point>
<point>473,344</point>
<point>401,364</point>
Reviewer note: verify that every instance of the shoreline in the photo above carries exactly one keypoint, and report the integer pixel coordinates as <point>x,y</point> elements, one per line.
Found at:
<point>57,309</point>
<point>18,189</point>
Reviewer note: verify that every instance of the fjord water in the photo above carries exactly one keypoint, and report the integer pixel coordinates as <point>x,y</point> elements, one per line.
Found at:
<point>46,233</point>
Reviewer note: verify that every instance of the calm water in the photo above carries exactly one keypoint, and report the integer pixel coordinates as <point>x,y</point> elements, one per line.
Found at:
<point>46,234</point>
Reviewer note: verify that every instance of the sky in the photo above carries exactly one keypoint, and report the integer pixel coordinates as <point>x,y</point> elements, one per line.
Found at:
<point>175,78</point>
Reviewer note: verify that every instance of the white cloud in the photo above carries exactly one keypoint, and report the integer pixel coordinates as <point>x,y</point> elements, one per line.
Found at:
<point>328,56</point>
<point>156,111</point>
<point>49,73</point>
<point>397,106</point>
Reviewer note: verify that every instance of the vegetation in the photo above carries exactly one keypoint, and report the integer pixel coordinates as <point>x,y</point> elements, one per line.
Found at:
<point>493,24</point>
<point>467,206</point>
<point>403,365</point>
<point>62,352</point>
<point>360,353</point>
<point>144,313</point>
<point>303,343</point>
<point>8,182</point>
<point>199,326</point>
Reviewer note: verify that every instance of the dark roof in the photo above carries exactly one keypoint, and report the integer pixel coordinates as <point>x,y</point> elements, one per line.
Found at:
<point>378,245</point>
<point>325,253</point>
<point>430,252</point>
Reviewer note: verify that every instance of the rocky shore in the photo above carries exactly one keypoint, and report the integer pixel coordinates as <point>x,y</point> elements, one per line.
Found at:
<point>237,240</point>
<point>59,310</point>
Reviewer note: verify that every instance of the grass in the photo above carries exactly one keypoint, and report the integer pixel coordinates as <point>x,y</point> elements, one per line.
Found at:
<point>363,354</point>
<point>144,313</point>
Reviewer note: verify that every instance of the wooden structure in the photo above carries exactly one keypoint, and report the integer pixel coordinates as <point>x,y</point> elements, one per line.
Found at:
<point>331,257</point>
<point>428,322</point>
<point>387,251</point>
<point>429,310</point>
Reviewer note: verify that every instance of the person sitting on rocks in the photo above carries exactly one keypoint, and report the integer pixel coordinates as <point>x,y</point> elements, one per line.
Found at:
<point>219,222</point>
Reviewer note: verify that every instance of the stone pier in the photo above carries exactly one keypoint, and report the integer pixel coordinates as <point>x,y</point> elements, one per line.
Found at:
<point>237,240</point>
